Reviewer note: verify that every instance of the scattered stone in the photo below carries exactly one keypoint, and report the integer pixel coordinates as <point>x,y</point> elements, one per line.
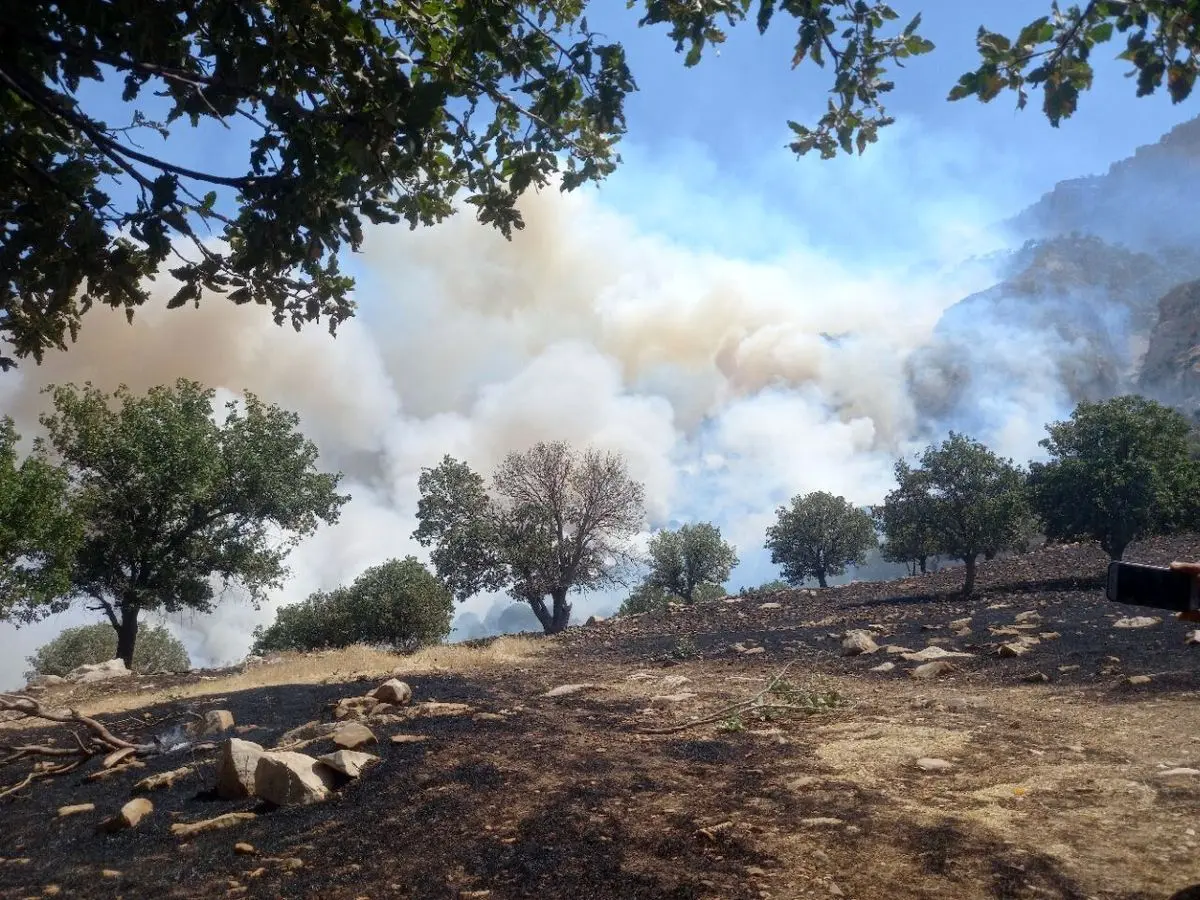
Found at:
<point>754,651</point>
<point>241,848</point>
<point>1171,773</point>
<point>816,821</point>
<point>162,779</point>
<point>130,815</point>
<point>228,820</point>
<point>284,777</point>
<point>408,738</point>
<point>237,763</point>
<point>1065,669</point>
<point>883,667</point>
<point>353,735</point>
<point>935,669</point>
<point>309,731</point>
<point>353,707</point>
<point>934,652</point>
<point>90,673</point>
<point>1138,679</point>
<point>109,873</point>
<point>215,721</point>
<point>1027,616</point>
<point>1013,649</point>
<point>933,764</point>
<point>76,809</point>
<point>1036,678</point>
<point>51,890</point>
<point>961,623</point>
<point>771,605</point>
<point>566,690</point>
<point>675,681</point>
<point>1049,635</point>
<point>393,691</point>
<point>963,632</point>
<point>1192,638</point>
<point>894,649</point>
<point>488,717</point>
<point>641,676</point>
<point>1137,622</point>
<point>348,762</point>
<point>857,642</point>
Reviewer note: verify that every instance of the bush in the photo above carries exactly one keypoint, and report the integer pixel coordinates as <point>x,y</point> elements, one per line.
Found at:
<point>818,536</point>
<point>157,651</point>
<point>400,604</point>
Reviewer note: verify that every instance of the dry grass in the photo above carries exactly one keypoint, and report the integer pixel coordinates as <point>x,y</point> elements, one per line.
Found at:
<point>348,664</point>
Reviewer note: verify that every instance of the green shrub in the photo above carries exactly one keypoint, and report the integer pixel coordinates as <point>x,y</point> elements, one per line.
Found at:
<point>399,603</point>
<point>157,650</point>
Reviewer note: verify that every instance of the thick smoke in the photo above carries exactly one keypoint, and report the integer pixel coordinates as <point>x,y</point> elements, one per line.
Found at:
<point>729,384</point>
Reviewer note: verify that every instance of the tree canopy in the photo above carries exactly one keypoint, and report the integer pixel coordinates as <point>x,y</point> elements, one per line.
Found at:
<point>399,603</point>
<point>373,111</point>
<point>1119,470</point>
<point>40,529</point>
<point>688,558</point>
<point>556,521</point>
<point>172,497</point>
<point>974,500</point>
<point>817,536</point>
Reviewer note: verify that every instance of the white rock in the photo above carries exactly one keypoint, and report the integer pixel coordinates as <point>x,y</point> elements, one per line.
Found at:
<point>893,649</point>
<point>935,669</point>
<point>681,697</point>
<point>932,764</point>
<point>1012,649</point>
<point>857,642</point>
<point>1137,622</point>
<point>1028,616</point>
<point>1170,773</point>
<point>352,735</point>
<point>393,691</point>
<point>675,681</point>
<point>1192,638</point>
<point>933,652</point>
<point>565,690</point>
<point>285,778</point>
<point>237,763</point>
<point>348,762</point>
<point>770,605</point>
<point>883,667</point>
<point>93,672</point>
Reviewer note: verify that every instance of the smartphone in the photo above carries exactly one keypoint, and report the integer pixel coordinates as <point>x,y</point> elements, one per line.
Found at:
<point>1153,586</point>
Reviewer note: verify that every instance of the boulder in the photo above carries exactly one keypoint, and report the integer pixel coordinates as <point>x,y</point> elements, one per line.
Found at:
<point>930,670</point>
<point>285,778</point>
<point>857,642</point>
<point>934,652</point>
<point>354,707</point>
<point>348,762</point>
<point>1013,649</point>
<point>393,691</point>
<point>90,673</point>
<point>130,815</point>
<point>237,764</point>
<point>215,721</point>
<point>352,735</point>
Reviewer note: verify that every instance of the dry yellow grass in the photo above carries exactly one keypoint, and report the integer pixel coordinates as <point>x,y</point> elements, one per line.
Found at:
<point>348,664</point>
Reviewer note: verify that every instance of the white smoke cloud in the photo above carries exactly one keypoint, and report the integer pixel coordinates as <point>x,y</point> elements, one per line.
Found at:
<point>729,383</point>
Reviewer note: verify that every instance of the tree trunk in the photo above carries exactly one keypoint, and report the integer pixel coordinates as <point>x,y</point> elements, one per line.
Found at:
<point>821,578</point>
<point>969,584</point>
<point>127,634</point>
<point>924,561</point>
<point>538,605</point>
<point>562,614</point>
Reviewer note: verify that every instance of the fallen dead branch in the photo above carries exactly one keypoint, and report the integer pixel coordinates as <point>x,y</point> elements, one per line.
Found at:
<point>790,700</point>
<point>99,741</point>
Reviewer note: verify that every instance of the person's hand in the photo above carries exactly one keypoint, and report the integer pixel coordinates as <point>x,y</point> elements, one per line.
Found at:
<point>1192,569</point>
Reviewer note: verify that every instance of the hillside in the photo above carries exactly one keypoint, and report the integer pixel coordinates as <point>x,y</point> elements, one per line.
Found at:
<point>649,773</point>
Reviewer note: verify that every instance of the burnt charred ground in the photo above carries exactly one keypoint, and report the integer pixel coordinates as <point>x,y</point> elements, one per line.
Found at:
<point>1053,789</point>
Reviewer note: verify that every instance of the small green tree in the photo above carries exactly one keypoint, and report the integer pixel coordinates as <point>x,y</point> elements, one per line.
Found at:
<point>818,536</point>
<point>767,587</point>
<point>39,529</point>
<point>556,521</point>
<point>172,498</point>
<point>974,500</point>
<point>1120,470</point>
<point>157,651</point>
<point>908,534</point>
<point>646,598</point>
<point>399,603</point>
<point>693,556</point>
